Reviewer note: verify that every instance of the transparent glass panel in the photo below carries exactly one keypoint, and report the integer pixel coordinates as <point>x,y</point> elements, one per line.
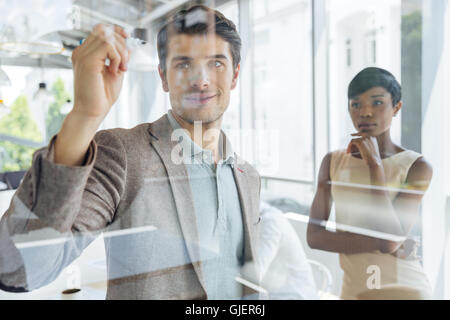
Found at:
<point>283,92</point>
<point>361,34</point>
<point>231,120</point>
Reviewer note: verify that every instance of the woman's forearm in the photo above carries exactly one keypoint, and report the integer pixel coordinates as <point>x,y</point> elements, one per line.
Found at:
<point>346,242</point>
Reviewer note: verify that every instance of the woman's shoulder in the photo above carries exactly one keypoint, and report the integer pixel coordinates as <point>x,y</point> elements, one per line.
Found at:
<point>416,165</point>
<point>420,169</point>
<point>406,157</point>
<point>331,157</point>
<point>338,152</point>
<point>334,160</point>
<point>337,155</point>
<point>334,154</point>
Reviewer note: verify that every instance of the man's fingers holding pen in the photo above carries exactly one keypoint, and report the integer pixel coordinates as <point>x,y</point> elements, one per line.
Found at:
<point>120,36</point>
<point>122,49</point>
<point>106,42</point>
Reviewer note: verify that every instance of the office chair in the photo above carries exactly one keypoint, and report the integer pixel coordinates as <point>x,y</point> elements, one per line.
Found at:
<point>322,277</point>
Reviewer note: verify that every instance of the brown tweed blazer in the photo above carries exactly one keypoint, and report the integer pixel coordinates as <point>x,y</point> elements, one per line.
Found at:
<point>128,182</point>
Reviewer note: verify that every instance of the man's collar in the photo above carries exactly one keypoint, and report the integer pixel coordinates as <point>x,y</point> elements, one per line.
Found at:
<point>191,149</point>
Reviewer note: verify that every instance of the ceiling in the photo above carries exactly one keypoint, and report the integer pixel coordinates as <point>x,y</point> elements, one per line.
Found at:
<point>69,23</point>
<point>127,13</point>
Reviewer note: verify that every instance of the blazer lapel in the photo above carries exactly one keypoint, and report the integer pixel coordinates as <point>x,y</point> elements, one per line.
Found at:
<point>247,207</point>
<point>161,132</point>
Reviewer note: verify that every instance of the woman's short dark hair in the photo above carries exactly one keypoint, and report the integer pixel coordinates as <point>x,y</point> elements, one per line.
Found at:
<point>375,77</point>
<point>198,19</point>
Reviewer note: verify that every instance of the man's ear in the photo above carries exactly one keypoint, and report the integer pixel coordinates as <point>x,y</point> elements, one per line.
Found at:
<point>162,75</point>
<point>398,107</point>
<point>235,76</point>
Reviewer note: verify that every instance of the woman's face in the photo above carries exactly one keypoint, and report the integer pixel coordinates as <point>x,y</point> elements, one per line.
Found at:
<point>372,111</point>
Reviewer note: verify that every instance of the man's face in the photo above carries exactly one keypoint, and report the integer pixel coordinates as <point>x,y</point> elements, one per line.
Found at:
<point>199,76</point>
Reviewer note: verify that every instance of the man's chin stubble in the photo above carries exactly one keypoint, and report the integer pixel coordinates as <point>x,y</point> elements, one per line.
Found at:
<point>208,120</point>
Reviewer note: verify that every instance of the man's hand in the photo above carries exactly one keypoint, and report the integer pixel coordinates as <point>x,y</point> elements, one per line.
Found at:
<point>97,87</point>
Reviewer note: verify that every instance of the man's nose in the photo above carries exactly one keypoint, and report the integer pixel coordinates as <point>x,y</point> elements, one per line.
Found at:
<point>199,78</point>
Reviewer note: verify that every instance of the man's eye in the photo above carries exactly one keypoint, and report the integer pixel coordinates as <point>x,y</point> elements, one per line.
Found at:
<point>377,102</point>
<point>183,65</point>
<point>355,105</point>
<point>216,64</point>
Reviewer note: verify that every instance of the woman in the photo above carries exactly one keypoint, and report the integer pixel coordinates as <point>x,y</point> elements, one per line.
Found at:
<point>377,187</point>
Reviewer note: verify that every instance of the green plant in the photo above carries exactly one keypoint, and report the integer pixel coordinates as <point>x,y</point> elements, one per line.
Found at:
<point>18,123</point>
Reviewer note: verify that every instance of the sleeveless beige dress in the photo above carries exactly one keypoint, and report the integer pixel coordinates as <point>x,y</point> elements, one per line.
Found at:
<point>352,210</point>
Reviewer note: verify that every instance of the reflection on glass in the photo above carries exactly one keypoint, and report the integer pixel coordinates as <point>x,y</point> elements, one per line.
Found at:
<point>172,230</point>
<point>379,259</point>
<point>231,121</point>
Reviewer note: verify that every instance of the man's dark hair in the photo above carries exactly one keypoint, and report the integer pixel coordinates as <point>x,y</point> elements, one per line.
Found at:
<point>375,77</point>
<point>199,19</point>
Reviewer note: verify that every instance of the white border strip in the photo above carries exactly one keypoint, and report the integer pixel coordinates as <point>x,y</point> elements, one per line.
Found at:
<point>347,228</point>
<point>251,285</point>
<point>109,234</point>
<point>116,233</point>
<point>370,187</point>
<point>41,243</point>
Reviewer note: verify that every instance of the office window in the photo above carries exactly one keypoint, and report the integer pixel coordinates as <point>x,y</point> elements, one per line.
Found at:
<point>270,118</point>
<point>231,122</point>
<point>282,91</point>
<point>363,34</point>
<point>33,113</point>
<point>371,48</point>
<point>410,39</point>
<point>349,52</point>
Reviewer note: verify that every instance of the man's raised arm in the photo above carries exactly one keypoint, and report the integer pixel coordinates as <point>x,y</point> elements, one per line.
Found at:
<point>63,193</point>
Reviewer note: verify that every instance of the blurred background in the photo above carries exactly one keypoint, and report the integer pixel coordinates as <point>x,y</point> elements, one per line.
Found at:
<point>289,109</point>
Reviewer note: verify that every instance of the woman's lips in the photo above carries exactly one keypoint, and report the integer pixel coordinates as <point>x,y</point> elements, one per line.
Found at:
<point>367,125</point>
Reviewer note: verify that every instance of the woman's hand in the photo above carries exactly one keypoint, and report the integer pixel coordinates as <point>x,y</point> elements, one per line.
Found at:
<point>367,146</point>
<point>408,250</point>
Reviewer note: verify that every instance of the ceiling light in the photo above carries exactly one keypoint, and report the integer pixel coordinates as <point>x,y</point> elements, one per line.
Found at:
<point>67,107</point>
<point>141,52</point>
<point>42,92</point>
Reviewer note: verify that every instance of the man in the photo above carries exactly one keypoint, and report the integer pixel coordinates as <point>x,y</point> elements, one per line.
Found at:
<point>189,203</point>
